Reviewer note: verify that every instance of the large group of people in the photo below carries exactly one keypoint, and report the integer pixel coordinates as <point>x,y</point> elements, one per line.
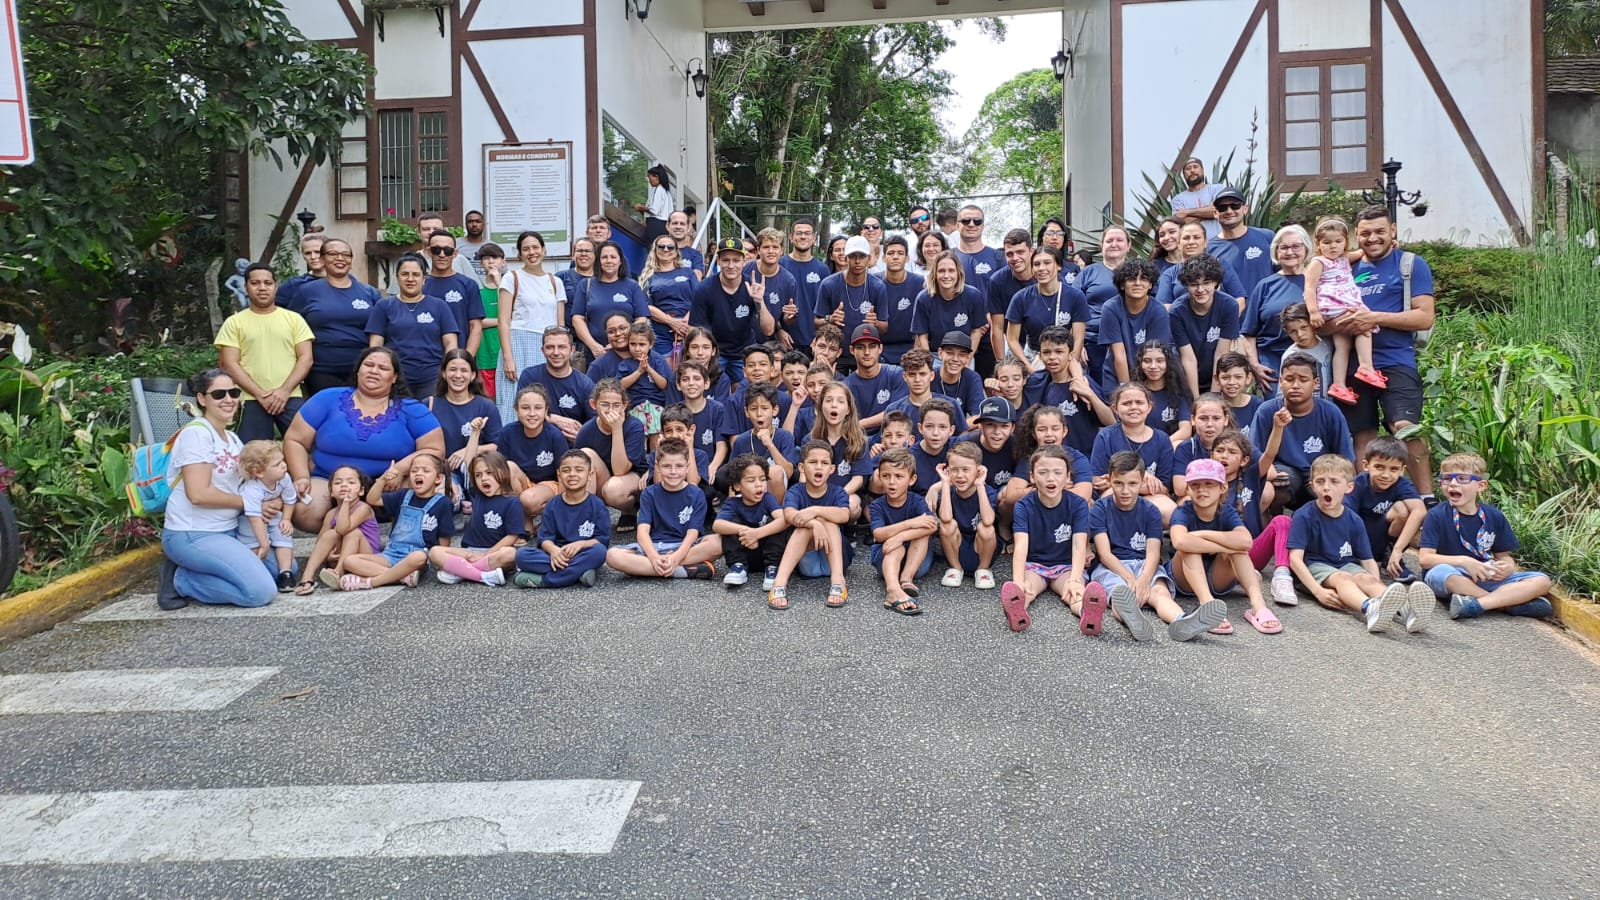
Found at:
<point>1131,431</point>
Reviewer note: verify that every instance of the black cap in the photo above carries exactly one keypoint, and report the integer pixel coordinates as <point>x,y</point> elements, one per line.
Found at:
<point>996,409</point>
<point>865,332</point>
<point>727,244</point>
<point>1227,193</point>
<point>957,339</point>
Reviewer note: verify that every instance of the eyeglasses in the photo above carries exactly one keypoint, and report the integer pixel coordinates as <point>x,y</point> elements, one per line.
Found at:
<point>970,221</point>
<point>1458,478</point>
<point>219,393</point>
<point>872,228</point>
<point>1228,207</point>
<point>1282,247</point>
<point>337,254</point>
<point>1053,232</point>
<point>666,246</point>
<point>922,218</point>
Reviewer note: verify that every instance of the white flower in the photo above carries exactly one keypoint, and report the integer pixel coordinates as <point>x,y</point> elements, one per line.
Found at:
<point>586,530</point>
<point>20,346</point>
<point>1063,533</point>
<point>1312,445</point>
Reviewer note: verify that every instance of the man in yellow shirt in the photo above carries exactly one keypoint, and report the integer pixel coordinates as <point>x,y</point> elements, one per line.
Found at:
<point>266,350</point>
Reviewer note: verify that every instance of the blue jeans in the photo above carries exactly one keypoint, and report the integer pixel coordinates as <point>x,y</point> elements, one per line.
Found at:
<point>213,567</point>
<point>1438,575</point>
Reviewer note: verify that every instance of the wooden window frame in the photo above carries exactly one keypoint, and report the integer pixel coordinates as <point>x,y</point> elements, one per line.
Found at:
<point>1325,60</point>
<point>417,107</point>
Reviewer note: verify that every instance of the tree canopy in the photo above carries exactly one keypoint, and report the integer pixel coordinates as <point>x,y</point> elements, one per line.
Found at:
<point>132,103</point>
<point>1015,142</point>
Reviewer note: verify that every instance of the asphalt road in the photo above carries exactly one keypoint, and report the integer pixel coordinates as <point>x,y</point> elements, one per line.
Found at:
<point>857,753</point>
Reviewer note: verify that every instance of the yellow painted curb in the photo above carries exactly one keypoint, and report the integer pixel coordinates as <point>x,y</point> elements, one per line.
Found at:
<point>43,609</point>
<point>1578,616</point>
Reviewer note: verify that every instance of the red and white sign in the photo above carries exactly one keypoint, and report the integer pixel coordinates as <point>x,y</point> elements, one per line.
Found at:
<point>16,140</point>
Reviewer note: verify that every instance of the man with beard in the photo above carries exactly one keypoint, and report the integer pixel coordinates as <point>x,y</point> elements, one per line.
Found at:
<point>808,271</point>
<point>1194,204</point>
<point>979,261</point>
<point>1240,247</point>
<point>467,247</point>
<point>678,227</point>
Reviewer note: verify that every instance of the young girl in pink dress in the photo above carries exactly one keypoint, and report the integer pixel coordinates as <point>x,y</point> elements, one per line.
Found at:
<point>1331,292</point>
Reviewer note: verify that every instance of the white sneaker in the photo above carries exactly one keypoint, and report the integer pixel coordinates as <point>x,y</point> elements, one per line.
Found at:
<point>494,577</point>
<point>1382,609</point>
<point>1283,587</point>
<point>1420,603</point>
<point>737,576</point>
<point>447,578</point>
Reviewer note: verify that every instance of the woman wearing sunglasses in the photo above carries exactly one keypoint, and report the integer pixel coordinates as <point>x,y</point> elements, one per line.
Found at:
<point>670,286</point>
<point>204,560</point>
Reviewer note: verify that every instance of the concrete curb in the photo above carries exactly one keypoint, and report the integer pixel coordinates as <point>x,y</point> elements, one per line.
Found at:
<point>1578,616</point>
<point>43,609</point>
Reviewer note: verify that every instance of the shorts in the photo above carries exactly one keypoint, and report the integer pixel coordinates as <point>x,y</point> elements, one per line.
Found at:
<point>1048,573</point>
<point>877,561</point>
<point>662,547</point>
<point>1436,577</point>
<point>815,563</point>
<point>275,536</point>
<point>1217,590</point>
<point>1109,579</point>
<point>649,415</point>
<point>967,554</point>
<point>394,553</point>
<point>1401,401</point>
<point>1321,572</point>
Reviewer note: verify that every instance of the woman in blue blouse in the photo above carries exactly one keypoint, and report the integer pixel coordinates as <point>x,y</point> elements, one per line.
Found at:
<point>610,289</point>
<point>370,426</point>
<point>1261,330</point>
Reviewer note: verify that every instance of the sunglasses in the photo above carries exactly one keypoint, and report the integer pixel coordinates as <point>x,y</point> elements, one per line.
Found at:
<point>219,393</point>
<point>666,246</point>
<point>971,221</point>
<point>1228,207</point>
<point>872,228</point>
<point>442,251</point>
<point>919,218</point>
<point>1450,478</point>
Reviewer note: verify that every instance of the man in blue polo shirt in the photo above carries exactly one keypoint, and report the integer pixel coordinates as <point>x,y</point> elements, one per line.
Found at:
<point>1244,249</point>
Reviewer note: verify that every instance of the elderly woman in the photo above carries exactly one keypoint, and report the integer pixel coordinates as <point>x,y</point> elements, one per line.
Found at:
<point>205,562</point>
<point>370,426</point>
<point>1261,331</point>
<point>337,307</point>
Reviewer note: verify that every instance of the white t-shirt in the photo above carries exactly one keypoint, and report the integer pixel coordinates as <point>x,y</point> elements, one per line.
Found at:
<point>660,203</point>
<point>536,299</point>
<point>198,442</point>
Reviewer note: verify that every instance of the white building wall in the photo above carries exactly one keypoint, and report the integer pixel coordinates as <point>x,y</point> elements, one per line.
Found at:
<point>643,88</point>
<point>526,13</point>
<point>412,60</point>
<point>1088,121</point>
<point>320,20</point>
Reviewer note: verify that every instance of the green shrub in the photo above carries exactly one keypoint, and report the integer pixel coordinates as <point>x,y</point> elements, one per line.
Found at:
<point>1481,279</point>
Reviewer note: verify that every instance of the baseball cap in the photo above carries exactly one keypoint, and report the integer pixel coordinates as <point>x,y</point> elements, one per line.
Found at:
<point>857,244</point>
<point>957,339</point>
<point>1227,193</point>
<point>1205,470</point>
<point>730,244</point>
<point>867,333</point>
<point>995,409</point>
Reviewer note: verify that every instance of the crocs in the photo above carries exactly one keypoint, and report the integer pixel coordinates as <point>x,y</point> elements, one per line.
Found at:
<point>1094,609</point>
<point>1011,600</point>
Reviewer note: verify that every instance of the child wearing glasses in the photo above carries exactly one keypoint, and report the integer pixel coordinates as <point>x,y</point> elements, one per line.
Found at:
<point>1467,546</point>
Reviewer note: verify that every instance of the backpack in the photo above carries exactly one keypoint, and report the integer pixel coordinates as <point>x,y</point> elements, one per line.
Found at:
<point>1408,262</point>
<point>149,484</point>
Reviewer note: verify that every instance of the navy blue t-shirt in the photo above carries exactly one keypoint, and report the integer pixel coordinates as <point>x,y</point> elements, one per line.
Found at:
<point>1156,452</point>
<point>1263,315</point>
<point>1168,411</point>
<point>900,307</point>
<point>1082,423</point>
<point>1129,531</point>
<point>1202,333</point>
<point>882,513</point>
<point>1050,530</point>
<point>798,497</point>
<point>872,296</point>
<point>436,520</point>
<point>934,316</point>
<point>1245,416</point>
<point>873,395</point>
<point>733,318</point>
<point>456,421</point>
<point>966,393</point>
<point>966,511</point>
<point>1368,501</point>
<point>463,295</point>
<point>1170,291</point>
<point>755,515</point>
<point>708,425</point>
<point>928,463</point>
<point>778,290</point>
<point>845,467</point>
<point>1000,463</point>
<point>734,417</point>
<point>808,277</point>
<point>1331,540</point>
<point>338,318</point>
<point>536,456</point>
<point>1244,497</point>
<point>577,287</point>
<point>905,405</point>
<point>562,523</point>
<point>1098,288</point>
<point>1248,256</point>
<point>416,331</point>
<point>569,395</point>
<point>610,365</point>
<point>1480,536</point>
<point>979,265</point>
<point>1118,326</point>
<point>1322,430</point>
<point>747,442</point>
<point>671,292</point>
<point>591,438</point>
<point>1002,287</point>
<point>603,298</point>
<point>671,515</point>
<point>1036,312</point>
<point>492,519</point>
<point>1226,519</point>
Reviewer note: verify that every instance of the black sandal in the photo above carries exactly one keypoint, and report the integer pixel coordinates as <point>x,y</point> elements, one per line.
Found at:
<point>906,607</point>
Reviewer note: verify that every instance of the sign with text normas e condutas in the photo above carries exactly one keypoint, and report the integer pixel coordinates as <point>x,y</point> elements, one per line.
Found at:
<point>16,140</point>
<point>529,186</point>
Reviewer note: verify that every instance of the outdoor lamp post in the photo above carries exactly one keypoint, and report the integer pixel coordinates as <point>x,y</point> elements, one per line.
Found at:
<point>640,8</point>
<point>698,77</point>
<point>1390,195</point>
<point>306,217</point>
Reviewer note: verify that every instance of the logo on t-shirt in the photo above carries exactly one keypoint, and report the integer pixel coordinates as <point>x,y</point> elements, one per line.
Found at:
<point>705,436</point>
<point>1138,336</point>
<point>1137,542</point>
<point>620,298</point>
<point>1168,414</point>
<point>1068,407</point>
<point>844,468</point>
<point>904,304</point>
<point>960,319</point>
<point>1382,506</point>
<point>741,311</point>
<point>1213,334</point>
<point>586,530</point>
<point>1063,533</point>
<point>359,303</point>
<point>681,279</point>
<point>884,395</point>
<point>1063,317</point>
<point>425,318</point>
<point>865,307</point>
<point>1485,543</point>
<point>492,520</point>
<point>812,278</point>
<point>1344,550</point>
<point>452,296</point>
<point>1246,495</point>
<point>1000,477</point>
<point>544,458</point>
<point>466,429</point>
<point>1313,444</point>
<point>1253,253</point>
<point>982,268</point>
<point>685,514</point>
<point>977,519</point>
<point>429,523</point>
<point>567,401</point>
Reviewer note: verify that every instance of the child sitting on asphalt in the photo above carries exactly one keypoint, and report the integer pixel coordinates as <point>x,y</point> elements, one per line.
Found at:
<point>570,546</point>
<point>965,505</point>
<point>1211,548</point>
<point>1126,530</point>
<point>1388,504</point>
<point>1052,545</point>
<point>1329,553</point>
<point>422,520</point>
<point>901,528</point>
<point>751,524</point>
<point>350,527</point>
<point>496,524</point>
<point>671,514</point>
<point>815,510</point>
<point>1467,549</point>
<point>615,444</point>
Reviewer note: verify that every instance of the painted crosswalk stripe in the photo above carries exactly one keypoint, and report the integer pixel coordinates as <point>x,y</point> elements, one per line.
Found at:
<point>127,690</point>
<point>288,606</point>
<point>314,822</point>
